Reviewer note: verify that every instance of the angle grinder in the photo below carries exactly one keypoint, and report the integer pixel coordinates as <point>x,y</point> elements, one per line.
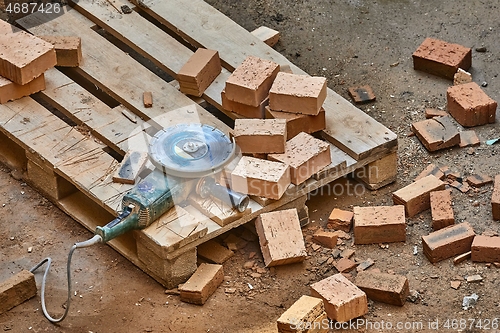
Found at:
<point>185,156</point>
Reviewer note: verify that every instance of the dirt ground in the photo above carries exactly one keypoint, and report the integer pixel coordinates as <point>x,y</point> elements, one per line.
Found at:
<point>353,42</point>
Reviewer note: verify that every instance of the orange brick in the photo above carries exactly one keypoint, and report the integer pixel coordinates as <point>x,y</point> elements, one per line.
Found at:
<point>379,224</point>
<point>479,180</point>
<point>441,209</point>
<point>362,94</point>
<point>495,199</point>
<point>441,58</point>
<point>305,155</point>
<point>267,35</point>
<point>260,135</point>
<point>244,110</point>
<point>448,242</point>
<point>485,249</point>
<point>250,82</point>
<point>14,291</point>
<point>260,177</point>
<point>415,197</point>
<point>306,311</point>
<point>147,99</point>
<point>30,57</point>
<point>468,138</point>
<point>431,169</point>
<point>470,106</point>
<point>431,113</point>
<point>382,287</point>
<point>296,123</point>
<point>342,299</point>
<point>280,237</point>
<point>10,91</point>
<point>340,220</point>
<point>326,238</point>
<point>437,133</point>
<point>68,49</point>
<point>297,93</point>
<point>345,265</point>
<point>199,72</point>
<point>202,284</point>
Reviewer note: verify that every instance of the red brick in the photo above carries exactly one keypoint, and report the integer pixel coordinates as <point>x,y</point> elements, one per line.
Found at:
<point>382,287</point>
<point>16,290</point>
<point>198,73</point>
<point>437,133</point>
<point>280,237</point>
<point>10,91</point>
<point>495,199</point>
<point>296,123</point>
<point>305,155</point>
<point>431,113</point>
<point>213,252</point>
<point>202,284</point>
<point>68,49</point>
<point>250,82</point>
<point>441,58</point>
<point>297,93</point>
<point>379,224</point>
<point>260,135</point>
<point>147,99</point>
<point>305,311</point>
<point>244,110</point>
<point>326,238</point>
<point>431,169</point>
<point>345,265</point>
<point>485,249</point>
<point>340,220</point>
<point>267,35</point>
<point>468,138</point>
<point>441,209</point>
<point>261,178</point>
<point>470,106</point>
<point>448,242</point>
<point>362,94</point>
<point>415,197</point>
<point>479,180</point>
<point>342,299</point>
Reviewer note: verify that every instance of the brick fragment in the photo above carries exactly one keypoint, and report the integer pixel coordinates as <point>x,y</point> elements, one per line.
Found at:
<point>68,49</point>
<point>342,299</point>
<point>415,196</point>
<point>213,252</point>
<point>382,287</point>
<point>485,249</point>
<point>267,35</point>
<point>147,99</point>
<point>202,284</point>
<point>340,220</point>
<point>260,135</point>
<point>297,93</point>
<point>468,139</point>
<point>10,91</point>
<point>250,82</point>
<point>247,111</point>
<point>198,73</point>
<point>365,265</point>
<point>431,113</point>
<point>280,237</point>
<point>305,311</point>
<point>379,224</point>
<point>363,94</point>
<point>16,290</point>
<point>296,123</point>
<point>326,238</point>
<point>345,265</point>
<point>448,242</point>
<point>441,58</point>
<point>461,77</point>
<point>431,169</point>
<point>495,199</point>
<point>470,106</point>
<point>305,155</point>
<point>462,187</point>
<point>441,209</point>
<point>436,133</point>
<point>261,178</point>
<point>479,180</point>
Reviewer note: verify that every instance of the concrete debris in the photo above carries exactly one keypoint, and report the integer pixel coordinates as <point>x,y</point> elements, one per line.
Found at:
<point>469,301</point>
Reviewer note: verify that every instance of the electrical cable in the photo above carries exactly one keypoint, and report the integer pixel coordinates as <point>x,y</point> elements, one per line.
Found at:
<point>94,240</point>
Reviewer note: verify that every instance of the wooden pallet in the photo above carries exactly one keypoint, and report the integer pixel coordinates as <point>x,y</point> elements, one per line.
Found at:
<point>74,171</point>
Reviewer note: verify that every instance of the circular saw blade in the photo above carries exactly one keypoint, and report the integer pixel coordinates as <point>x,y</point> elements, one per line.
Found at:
<point>191,150</point>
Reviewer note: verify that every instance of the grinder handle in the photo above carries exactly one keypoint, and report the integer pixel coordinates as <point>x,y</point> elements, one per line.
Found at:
<point>126,221</point>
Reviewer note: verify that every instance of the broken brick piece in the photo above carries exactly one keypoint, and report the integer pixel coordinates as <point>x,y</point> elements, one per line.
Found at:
<point>462,187</point>
<point>260,135</point>
<point>461,77</point>
<point>379,224</point>
<point>198,73</point>
<point>340,220</point>
<point>10,91</point>
<point>296,123</point>
<point>441,58</point>
<point>280,237</point>
<point>16,290</point>
<point>363,94</point>
<point>448,242</point>
<point>326,238</point>
<point>342,299</point>
<point>495,199</point>
<point>297,93</point>
<point>213,252</point>
<point>260,177</point>
<point>267,35</point>
<point>479,180</point>
<point>305,155</point>
<point>470,106</point>
<point>431,169</point>
<point>68,49</point>
<point>461,257</point>
<point>468,138</point>
<point>485,249</point>
<point>415,196</point>
<point>247,111</point>
<point>202,284</point>
<point>383,287</point>
<point>441,209</point>
<point>306,310</point>
<point>250,82</point>
<point>431,113</point>
<point>436,133</point>
<point>345,265</point>
<point>147,99</point>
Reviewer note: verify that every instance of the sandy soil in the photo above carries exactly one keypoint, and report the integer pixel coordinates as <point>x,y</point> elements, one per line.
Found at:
<point>351,43</point>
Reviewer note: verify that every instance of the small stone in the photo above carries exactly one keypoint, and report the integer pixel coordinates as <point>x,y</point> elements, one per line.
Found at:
<point>261,270</point>
<point>471,151</point>
<point>413,296</point>
<point>415,250</point>
<point>229,290</point>
<point>481,49</point>
<point>469,301</point>
<point>251,255</point>
<point>255,275</point>
<point>126,9</point>
<point>474,278</point>
<point>249,264</point>
<point>434,276</point>
<point>496,264</point>
<point>455,284</point>
<point>484,84</point>
<point>30,249</point>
